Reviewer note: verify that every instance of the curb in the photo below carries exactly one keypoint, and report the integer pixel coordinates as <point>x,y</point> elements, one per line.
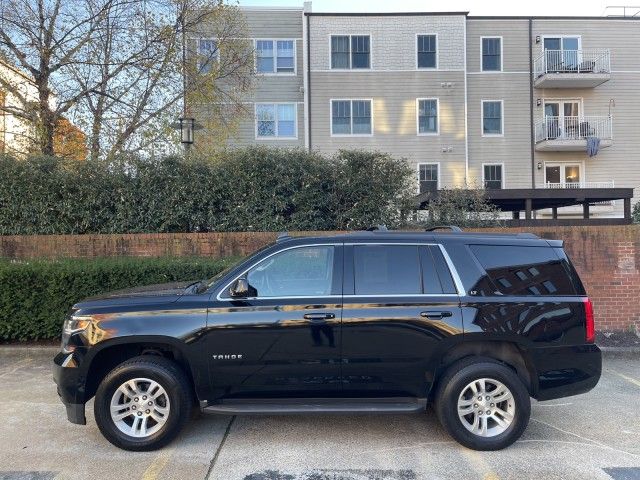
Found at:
<point>29,349</point>
<point>620,351</point>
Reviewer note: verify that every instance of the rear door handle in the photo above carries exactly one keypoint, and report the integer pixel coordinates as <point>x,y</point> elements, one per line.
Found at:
<point>319,316</point>
<point>435,315</point>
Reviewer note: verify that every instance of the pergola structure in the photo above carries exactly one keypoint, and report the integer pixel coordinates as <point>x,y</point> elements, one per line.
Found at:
<point>528,200</point>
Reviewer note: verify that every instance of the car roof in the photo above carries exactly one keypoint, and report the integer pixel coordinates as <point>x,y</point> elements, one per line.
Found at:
<point>419,237</point>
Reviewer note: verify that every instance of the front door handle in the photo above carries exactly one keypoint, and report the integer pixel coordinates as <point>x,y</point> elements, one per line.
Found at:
<point>435,315</point>
<point>319,316</point>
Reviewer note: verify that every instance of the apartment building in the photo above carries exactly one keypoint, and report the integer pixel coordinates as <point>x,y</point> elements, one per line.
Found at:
<point>502,103</point>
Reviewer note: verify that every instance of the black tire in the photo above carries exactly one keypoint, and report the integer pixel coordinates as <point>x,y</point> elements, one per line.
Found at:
<point>174,381</point>
<point>451,386</point>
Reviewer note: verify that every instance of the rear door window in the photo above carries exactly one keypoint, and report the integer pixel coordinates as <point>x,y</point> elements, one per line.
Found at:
<point>515,270</point>
<point>386,269</point>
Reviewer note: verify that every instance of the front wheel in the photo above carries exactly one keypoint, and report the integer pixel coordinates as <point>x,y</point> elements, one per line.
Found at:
<point>143,403</point>
<point>482,404</point>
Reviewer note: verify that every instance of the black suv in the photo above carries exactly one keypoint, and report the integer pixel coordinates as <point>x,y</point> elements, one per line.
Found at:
<point>375,321</point>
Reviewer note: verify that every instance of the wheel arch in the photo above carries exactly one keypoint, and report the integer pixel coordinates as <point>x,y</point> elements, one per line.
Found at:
<point>511,354</point>
<point>105,356</point>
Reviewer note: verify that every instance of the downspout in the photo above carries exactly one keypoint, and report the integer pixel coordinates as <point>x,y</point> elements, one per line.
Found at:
<point>307,88</point>
<point>531,125</point>
<point>466,108</point>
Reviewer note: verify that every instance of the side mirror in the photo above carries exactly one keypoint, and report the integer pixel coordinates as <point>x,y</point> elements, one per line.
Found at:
<point>240,288</point>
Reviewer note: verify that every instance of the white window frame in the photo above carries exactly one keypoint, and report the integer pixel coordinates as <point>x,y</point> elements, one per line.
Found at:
<point>504,173</point>
<point>276,137</point>
<point>562,166</point>
<point>348,135</point>
<point>427,134</point>
<point>542,37</point>
<point>350,52</point>
<point>217,57</point>
<point>275,57</point>
<point>489,135</point>
<point>415,44</point>
<point>501,53</point>
<point>437,164</point>
<point>562,100</point>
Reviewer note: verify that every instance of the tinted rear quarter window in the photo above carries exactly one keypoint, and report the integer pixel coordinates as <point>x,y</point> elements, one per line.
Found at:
<point>515,270</point>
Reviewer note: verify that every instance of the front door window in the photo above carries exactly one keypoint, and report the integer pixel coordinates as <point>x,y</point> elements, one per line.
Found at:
<point>563,176</point>
<point>562,119</point>
<point>562,54</point>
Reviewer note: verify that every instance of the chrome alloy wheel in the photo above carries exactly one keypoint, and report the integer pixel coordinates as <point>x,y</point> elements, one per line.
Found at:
<point>486,407</point>
<point>140,407</point>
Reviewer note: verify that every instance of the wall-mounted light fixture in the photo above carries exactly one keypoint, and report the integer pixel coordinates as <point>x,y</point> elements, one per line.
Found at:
<point>186,130</point>
<point>539,165</point>
<point>538,102</point>
<point>537,38</point>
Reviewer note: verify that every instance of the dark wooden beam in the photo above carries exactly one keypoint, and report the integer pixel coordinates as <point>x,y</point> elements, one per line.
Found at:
<point>527,208</point>
<point>627,208</point>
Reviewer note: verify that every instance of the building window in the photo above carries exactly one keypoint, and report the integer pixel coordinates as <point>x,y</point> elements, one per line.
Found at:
<point>492,176</point>
<point>428,177</point>
<point>351,117</point>
<point>275,120</point>
<point>492,119</point>
<point>275,56</point>
<point>207,54</point>
<point>350,51</point>
<point>427,57</point>
<point>427,116</point>
<point>491,54</point>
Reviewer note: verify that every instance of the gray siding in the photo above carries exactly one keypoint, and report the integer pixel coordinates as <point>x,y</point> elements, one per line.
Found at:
<point>393,84</point>
<point>512,87</point>
<point>275,88</point>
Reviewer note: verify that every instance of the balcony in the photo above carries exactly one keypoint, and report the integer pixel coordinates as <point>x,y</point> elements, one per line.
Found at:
<point>605,184</point>
<point>569,134</point>
<point>572,68</point>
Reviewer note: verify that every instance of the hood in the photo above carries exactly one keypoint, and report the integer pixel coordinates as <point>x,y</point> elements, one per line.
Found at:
<point>159,293</point>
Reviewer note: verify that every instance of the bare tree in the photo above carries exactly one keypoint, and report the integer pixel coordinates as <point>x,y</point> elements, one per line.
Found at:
<point>116,67</point>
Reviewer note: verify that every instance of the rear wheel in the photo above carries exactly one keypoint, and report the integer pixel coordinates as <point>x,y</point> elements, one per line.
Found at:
<point>143,403</point>
<point>483,404</point>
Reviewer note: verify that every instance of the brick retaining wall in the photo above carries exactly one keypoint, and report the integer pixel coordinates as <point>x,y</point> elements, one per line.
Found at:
<point>607,258</point>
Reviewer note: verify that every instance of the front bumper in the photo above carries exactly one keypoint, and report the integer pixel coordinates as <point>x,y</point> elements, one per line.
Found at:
<point>565,371</point>
<point>70,384</point>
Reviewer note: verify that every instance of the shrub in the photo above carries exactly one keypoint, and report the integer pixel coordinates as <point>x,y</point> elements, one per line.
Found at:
<point>36,295</point>
<point>636,213</point>
<point>255,188</point>
<point>461,207</point>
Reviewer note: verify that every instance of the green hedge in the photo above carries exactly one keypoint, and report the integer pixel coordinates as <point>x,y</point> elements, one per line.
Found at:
<point>256,188</point>
<point>36,295</point>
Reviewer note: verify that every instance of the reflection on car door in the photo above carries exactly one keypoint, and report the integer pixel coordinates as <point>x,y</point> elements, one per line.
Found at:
<point>400,302</point>
<point>288,334</point>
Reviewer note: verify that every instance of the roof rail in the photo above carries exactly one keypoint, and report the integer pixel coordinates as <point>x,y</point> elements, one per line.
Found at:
<point>282,236</point>
<point>453,228</point>
<point>378,228</point>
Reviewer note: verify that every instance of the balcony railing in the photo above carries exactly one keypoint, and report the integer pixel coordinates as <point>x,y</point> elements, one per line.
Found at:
<point>573,61</point>
<point>573,128</point>
<point>605,184</point>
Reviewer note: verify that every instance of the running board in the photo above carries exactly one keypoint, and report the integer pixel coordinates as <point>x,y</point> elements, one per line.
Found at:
<point>317,405</point>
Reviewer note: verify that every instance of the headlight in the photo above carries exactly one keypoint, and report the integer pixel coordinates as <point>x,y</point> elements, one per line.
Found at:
<point>72,325</point>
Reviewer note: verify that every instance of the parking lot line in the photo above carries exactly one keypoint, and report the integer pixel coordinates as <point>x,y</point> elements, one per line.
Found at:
<point>625,377</point>
<point>16,366</point>
<point>480,465</point>
<point>591,441</point>
<point>161,460</point>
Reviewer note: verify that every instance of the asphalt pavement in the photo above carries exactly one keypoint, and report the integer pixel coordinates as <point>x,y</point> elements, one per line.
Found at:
<point>590,436</point>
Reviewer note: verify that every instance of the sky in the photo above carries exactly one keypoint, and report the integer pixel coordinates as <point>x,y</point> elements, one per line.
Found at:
<point>475,7</point>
